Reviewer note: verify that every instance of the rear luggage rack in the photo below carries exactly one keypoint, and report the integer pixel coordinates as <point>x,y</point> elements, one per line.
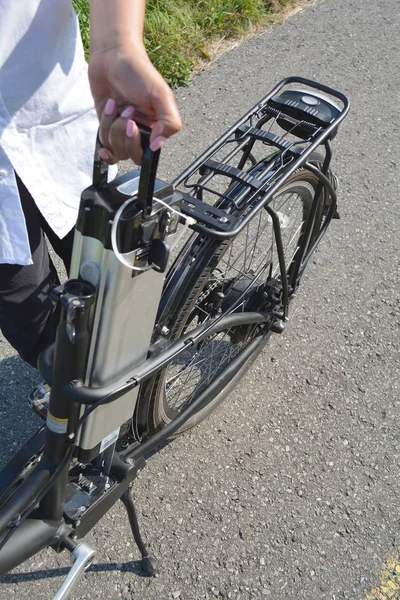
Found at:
<point>246,166</point>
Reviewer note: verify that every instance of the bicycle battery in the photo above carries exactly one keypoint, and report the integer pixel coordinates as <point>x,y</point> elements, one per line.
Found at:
<point>127,300</point>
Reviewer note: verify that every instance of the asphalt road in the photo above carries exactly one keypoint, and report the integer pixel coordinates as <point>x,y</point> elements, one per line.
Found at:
<point>291,489</point>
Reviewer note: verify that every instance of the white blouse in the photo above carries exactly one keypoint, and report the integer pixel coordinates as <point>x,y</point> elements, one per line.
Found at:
<point>47,119</point>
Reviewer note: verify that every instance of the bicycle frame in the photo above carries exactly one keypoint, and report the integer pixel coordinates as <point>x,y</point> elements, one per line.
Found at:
<point>38,508</point>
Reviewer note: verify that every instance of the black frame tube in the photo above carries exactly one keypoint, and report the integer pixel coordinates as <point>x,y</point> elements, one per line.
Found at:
<point>81,394</point>
<point>70,358</point>
<point>328,217</point>
<point>29,538</point>
<point>311,220</point>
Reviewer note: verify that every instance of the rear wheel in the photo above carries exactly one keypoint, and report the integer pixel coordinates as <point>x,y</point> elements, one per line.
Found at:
<point>208,278</point>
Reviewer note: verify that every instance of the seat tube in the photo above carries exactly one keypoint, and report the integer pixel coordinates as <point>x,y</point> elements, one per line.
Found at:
<point>70,360</point>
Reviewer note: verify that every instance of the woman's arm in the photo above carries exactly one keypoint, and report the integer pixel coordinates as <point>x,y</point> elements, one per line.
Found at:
<point>125,85</point>
<point>116,22</point>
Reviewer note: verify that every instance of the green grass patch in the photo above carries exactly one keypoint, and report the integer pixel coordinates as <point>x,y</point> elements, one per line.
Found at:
<point>82,10</point>
<point>180,33</point>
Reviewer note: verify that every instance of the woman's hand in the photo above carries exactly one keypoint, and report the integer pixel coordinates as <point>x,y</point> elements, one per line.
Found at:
<point>127,88</point>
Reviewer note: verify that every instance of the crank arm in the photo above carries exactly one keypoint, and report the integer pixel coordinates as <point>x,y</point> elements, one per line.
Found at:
<point>82,556</point>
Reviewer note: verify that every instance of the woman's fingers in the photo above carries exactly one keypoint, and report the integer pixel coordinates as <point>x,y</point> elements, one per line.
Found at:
<point>107,156</point>
<point>108,117</point>
<point>133,142</point>
<point>168,120</point>
<point>119,134</point>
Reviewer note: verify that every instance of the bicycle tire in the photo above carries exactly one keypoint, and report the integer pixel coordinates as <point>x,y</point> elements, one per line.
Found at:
<point>190,279</point>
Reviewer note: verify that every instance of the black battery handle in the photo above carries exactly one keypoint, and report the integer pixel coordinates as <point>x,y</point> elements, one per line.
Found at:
<point>100,168</point>
<point>147,173</point>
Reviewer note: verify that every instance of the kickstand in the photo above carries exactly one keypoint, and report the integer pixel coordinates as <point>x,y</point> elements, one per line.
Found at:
<point>149,564</point>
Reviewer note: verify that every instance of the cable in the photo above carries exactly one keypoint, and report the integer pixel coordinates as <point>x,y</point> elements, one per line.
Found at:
<point>188,221</point>
<point>114,244</point>
<point>114,228</point>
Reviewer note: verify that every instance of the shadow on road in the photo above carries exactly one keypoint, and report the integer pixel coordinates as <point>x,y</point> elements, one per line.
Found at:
<point>18,422</point>
<point>133,566</point>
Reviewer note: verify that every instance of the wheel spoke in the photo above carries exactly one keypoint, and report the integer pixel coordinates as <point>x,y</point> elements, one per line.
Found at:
<point>251,257</point>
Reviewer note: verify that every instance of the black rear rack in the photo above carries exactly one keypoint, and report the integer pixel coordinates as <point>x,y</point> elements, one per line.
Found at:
<point>247,165</point>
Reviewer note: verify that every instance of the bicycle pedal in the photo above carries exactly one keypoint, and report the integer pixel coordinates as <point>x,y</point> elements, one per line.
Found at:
<point>38,399</point>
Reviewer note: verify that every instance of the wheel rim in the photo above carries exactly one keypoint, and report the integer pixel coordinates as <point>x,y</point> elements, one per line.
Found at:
<point>244,259</point>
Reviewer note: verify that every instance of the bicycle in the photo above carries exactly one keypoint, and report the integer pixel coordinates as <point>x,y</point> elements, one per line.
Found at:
<point>140,356</point>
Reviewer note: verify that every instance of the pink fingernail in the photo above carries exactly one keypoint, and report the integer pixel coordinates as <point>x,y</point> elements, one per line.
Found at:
<point>158,143</point>
<point>104,154</point>
<point>128,112</point>
<point>130,128</point>
<point>109,107</point>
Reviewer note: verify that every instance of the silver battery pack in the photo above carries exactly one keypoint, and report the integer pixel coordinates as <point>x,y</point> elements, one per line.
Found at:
<point>123,315</point>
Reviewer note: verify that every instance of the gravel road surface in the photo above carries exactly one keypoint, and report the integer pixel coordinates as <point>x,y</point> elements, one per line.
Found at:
<point>290,491</point>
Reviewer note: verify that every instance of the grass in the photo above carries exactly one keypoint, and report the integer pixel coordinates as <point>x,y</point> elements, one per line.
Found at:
<point>82,10</point>
<point>179,34</point>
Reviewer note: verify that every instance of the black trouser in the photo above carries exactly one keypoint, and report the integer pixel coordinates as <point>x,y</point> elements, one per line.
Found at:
<point>28,318</point>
